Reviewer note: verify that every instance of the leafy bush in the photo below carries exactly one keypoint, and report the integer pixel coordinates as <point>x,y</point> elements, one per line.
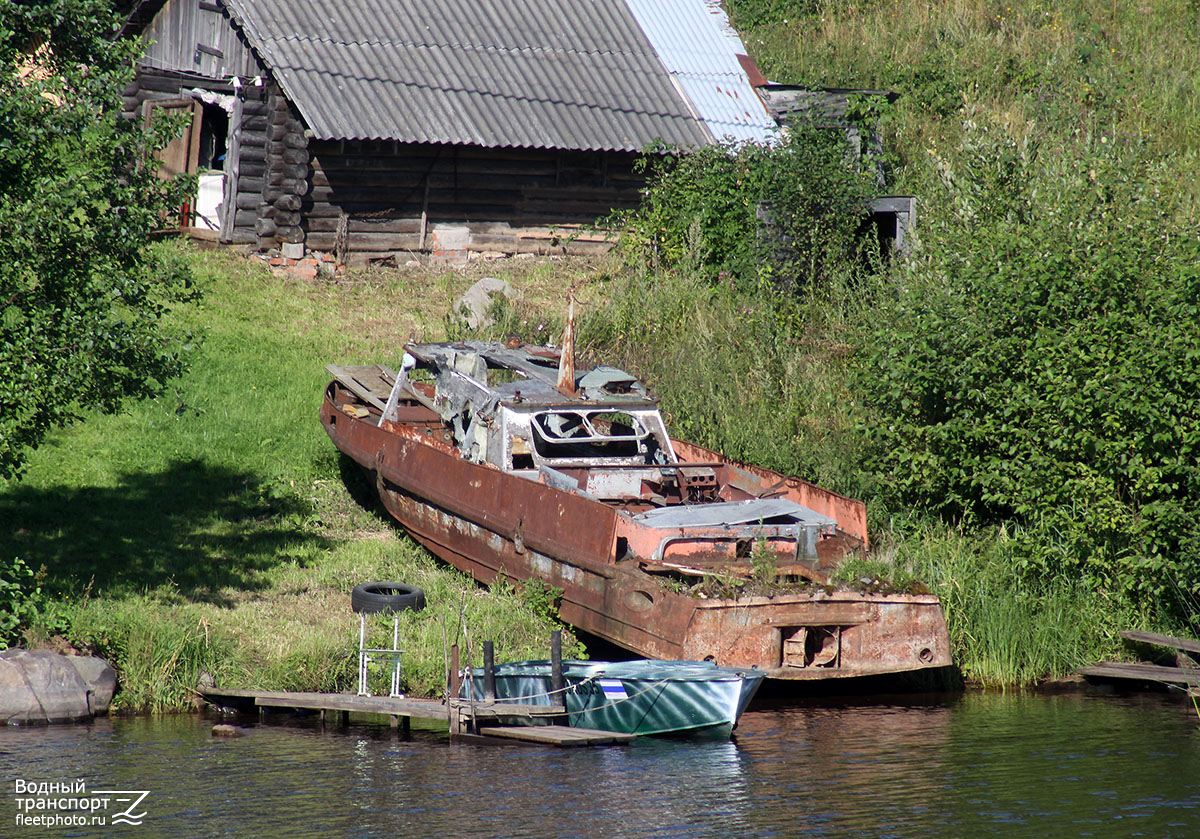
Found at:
<point>21,600</point>
<point>81,295</point>
<point>789,212</point>
<point>1039,363</point>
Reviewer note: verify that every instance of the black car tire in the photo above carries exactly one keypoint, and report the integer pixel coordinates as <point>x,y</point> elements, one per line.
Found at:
<point>372,598</point>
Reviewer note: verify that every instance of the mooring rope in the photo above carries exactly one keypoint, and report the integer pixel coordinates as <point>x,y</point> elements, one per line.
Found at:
<point>611,704</point>
<point>547,693</point>
<point>551,693</point>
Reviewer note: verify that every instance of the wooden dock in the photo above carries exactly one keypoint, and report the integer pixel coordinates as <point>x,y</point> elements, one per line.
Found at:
<point>556,735</point>
<point>464,718</point>
<point>1187,673</point>
<point>1143,673</point>
<point>1169,641</point>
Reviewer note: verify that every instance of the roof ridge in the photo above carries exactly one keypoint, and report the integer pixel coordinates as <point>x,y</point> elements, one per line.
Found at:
<point>382,42</point>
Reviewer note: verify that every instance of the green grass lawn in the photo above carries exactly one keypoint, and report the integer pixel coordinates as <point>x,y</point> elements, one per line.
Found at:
<point>212,529</point>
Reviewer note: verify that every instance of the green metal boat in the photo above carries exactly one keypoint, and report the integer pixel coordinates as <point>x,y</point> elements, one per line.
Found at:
<point>637,697</point>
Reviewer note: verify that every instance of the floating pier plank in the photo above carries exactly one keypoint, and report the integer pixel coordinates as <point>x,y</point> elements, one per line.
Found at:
<point>1143,672</point>
<point>1170,641</point>
<point>506,709</point>
<point>556,735</point>
<point>429,709</point>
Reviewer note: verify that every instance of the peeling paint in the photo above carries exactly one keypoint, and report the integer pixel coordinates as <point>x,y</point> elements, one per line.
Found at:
<point>589,493</point>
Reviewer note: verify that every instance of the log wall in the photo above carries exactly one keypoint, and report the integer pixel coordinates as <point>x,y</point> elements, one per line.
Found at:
<point>285,175</point>
<point>371,198</point>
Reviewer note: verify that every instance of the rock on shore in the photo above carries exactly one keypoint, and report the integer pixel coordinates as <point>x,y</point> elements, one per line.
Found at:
<point>41,686</point>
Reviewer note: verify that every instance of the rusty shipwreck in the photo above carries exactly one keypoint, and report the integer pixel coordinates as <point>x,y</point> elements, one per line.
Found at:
<point>507,461</point>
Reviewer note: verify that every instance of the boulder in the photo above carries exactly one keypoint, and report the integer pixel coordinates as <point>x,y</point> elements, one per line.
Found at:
<point>41,686</point>
<point>100,679</point>
<point>475,306</point>
<point>226,730</point>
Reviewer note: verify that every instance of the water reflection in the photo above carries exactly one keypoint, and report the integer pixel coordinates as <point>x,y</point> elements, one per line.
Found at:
<point>987,765</point>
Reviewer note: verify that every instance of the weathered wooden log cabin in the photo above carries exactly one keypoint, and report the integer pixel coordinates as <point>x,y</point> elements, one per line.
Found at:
<point>376,128</point>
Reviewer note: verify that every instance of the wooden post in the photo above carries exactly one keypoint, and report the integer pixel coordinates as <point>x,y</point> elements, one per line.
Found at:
<point>233,161</point>
<point>455,672</point>
<point>556,671</point>
<point>556,676</point>
<point>489,671</point>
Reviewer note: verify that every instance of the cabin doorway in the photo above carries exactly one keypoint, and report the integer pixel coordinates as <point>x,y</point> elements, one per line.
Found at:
<point>200,149</point>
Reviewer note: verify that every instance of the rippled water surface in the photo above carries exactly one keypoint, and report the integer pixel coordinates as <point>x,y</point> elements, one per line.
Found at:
<point>966,766</point>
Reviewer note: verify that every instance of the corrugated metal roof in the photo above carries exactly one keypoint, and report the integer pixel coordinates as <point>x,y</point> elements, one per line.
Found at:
<point>571,74</point>
<point>700,49</point>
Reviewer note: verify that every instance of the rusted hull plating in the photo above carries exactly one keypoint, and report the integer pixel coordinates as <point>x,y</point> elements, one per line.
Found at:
<point>489,523</point>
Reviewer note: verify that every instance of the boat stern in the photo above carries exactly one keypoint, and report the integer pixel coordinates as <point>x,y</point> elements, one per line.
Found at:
<point>822,636</point>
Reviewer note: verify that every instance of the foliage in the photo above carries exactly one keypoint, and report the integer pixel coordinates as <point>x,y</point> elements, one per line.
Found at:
<point>1005,629</point>
<point>542,598</point>
<point>789,212</point>
<point>81,296</point>
<point>22,601</point>
<point>746,14</point>
<point>1039,363</point>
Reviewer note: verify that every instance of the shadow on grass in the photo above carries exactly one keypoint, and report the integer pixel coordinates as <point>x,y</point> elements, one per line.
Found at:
<point>193,527</point>
<point>360,484</point>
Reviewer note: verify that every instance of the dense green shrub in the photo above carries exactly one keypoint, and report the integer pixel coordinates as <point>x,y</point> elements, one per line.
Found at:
<point>789,212</point>
<point>1039,363</point>
<point>81,295</point>
<point>22,600</point>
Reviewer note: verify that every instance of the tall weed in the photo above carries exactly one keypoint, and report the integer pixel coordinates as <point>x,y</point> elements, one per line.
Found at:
<point>1005,629</point>
<point>759,376</point>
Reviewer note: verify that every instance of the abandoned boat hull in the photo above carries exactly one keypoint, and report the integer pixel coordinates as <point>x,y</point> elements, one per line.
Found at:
<point>635,697</point>
<point>491,524</point>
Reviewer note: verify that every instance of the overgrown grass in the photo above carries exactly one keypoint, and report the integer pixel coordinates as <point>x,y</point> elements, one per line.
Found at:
<point>1068,71</point>
<point>213,531</point>
<point>1006,630</point>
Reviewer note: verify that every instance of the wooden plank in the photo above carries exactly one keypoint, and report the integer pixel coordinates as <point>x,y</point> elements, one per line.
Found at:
<point>373,383</point>
<point>500,708</point>
<point>233,162</point>
<point>323,219</point>
<point>239,693</point>
<point>557,735</point>
<point>369,242</point>
<point>429,709</point>
<point>1156,639</point>
<point>1143,672</point>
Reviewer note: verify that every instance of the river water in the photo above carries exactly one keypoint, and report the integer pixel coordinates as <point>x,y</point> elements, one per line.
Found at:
<point>969,765</point>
